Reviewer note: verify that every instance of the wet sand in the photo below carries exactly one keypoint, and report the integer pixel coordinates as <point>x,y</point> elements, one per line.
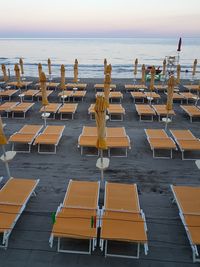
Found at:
<point>168,243</point>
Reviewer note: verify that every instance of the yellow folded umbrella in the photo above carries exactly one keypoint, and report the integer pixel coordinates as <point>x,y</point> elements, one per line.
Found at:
<point>17,74</point>
<point>164,67</point>
<point>43,89</point>
<point>135,68</point>
<point>5,76</point>
<point>39,70</point>
<point>194,67</point>
<point>49,66</point>
<point>153,72</point>
<point>76,73</point>
<point>76,61</point>
<point>170,92</point>
<point>21,63</point>
<point>100,116</point>
<point>143,74</point>
<point>3,140</point>
<point>178,74</point>
<point>62,81</point>
<point>105,66</point>
<point>107,88</point>
<point>109,69</point>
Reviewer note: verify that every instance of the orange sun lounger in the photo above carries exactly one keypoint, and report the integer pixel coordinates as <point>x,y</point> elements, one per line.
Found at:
<point>112,96</point>
<point>30,94</point>
<point>8,93</point>
<point>51,108</point>
<point>6,107</point>
<point>14,196</point>
<point>23,83</point>
<point>133,87</point>
<point>145,111</point>
<point>188,202</point>
<point>39,94</point>
<point>161,111</point>
<point>186,141</point>
<point>79,86</point>
<point>73,216</point>
<point>160,141</point>
<point>192,111</point>
<point>116,112</point>
<point>25,136</point>
<point>138,96</point>
<point>100,87</point>
<point>50,136</point>
<point>67,109</point>
<point>22,108</point>
<point>122,220</point>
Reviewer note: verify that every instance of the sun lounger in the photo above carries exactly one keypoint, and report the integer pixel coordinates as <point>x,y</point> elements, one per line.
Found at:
<point>161,111</point>
<point>116,112</point>
<point>188,202</point>
<point>78,95</point>
<point>30,94</point>
<point>152,96</point>
<point>52,85</point>
<point>160,141</point>
<point>8,94</point>
<point>100,87</point>
<point>51,108</point>
<point>67,109</point>
<point>138,96</point>
<point>6,107</point>
<point>66,95</point>
<point>186,142</point>
<point>74,215</point>
<point>79,86</point>
<point>14,196</point>
<point>39,95</point>
<point>133,87</point>
<point>145,112</point>
<point>160,87</point>
<point>25,136</point>
<point>23,84</point>
<point>122,220</point>
<point>192,111</point>
<point>189,96</point>
<point>178,97</point>
<point>50,136</point>
<point>116,96</point>
<point>91,111</point>
<point>22,108</point>
<point>192,87</point>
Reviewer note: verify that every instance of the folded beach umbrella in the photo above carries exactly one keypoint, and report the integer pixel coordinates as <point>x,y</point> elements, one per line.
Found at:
<point>44,94</point>
<point>39,70</point>
<point>21,63</point>
<point>135,68</point>
<point>179,45</point>
<point>109,69</point>
<point>105,66</point>
<point>170,92</point>
<point>76,61</point>
<point>143,74</point>
<point>178,74</point>
<point>151,86</point>
<point>5,76</point>
<point>17,74</point>
<point>62,81</point>
<point>107,82</point>
<point>49,66</point>
<point>76,72</point>
<point>194,67</point>
<point>164,67</point>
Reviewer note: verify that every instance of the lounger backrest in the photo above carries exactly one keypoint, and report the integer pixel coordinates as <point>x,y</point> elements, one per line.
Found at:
<point>121,197</point>
<point>82,194</point>
<point>188,199</point>
<point>115,132</point>
<point>17,191</point>
<point>54,129</point>
<point>183,135</point>
<point>89,131</point>
<point>156,133</point>
<point>8,105</point>
<point>30,129</point>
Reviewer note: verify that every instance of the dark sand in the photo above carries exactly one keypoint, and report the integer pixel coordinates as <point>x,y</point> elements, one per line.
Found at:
<point>168,243</point>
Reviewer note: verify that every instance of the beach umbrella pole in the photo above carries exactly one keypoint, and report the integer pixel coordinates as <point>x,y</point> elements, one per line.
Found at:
<point>166,123</point>
<point>6,162</point>
<point>45,119</point>
<point>102,173</point>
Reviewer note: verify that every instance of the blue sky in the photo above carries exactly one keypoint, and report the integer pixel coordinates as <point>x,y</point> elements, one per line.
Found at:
<point>100,18</point>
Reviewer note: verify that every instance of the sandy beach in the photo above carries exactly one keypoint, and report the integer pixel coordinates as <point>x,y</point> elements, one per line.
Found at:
<point>168,243</point>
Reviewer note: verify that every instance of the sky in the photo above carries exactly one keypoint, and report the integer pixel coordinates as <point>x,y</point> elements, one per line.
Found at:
<point>99,18</point>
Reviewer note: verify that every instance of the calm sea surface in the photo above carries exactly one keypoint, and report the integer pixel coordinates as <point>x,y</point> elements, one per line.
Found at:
<point>90,52</point>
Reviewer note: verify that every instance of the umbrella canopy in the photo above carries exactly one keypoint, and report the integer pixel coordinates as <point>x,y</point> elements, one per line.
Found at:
<point>170,92</point>
<point>43,89</point>
<point>107,88</point>
<point>179,45</point>
<point>5,76</point>
<point>143,74</point>
<point>153,72</point>
<point>178,74</point>
<point>100,116</point>
<point>194,67</point>
<point>39,69</point>
<point>21,63</point>
<point>3,140</point>
<point>62,81</point>
<point>164,67</point>
<point>76,72</point>
<point>49,66</point>
<point>109,69</point>
<point>17,74</point>
<point>105,66</point>
<point>136,65</point>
